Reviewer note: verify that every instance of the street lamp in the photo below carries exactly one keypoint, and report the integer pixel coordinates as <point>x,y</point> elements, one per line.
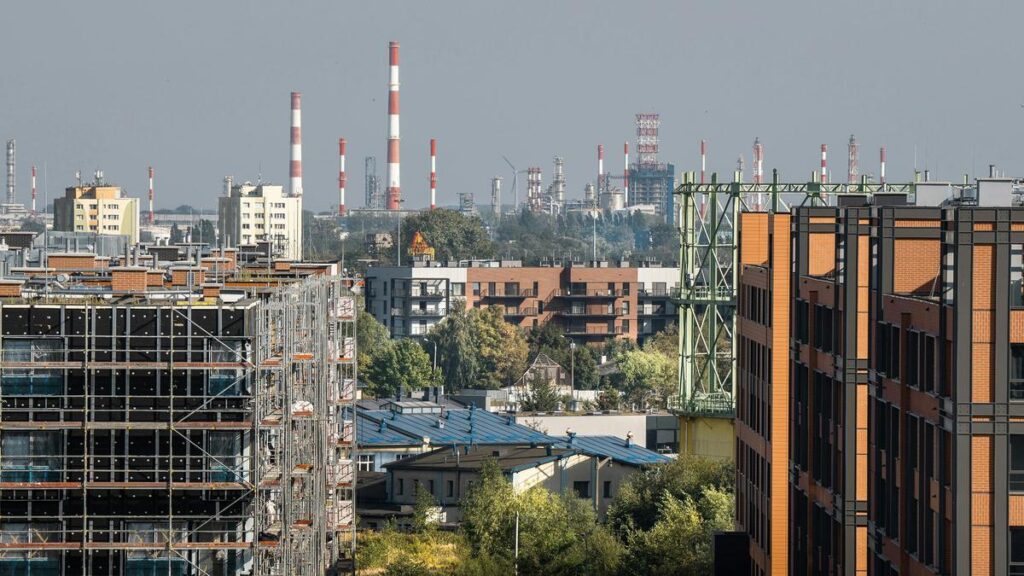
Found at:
<point>572,368</point>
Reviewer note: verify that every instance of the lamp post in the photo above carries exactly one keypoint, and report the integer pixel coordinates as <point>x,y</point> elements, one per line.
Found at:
<point>572,368</point>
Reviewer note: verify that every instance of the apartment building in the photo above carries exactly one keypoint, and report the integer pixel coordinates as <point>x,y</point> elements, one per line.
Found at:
<point>590,302</point>
<point>762,389</point>
<point>99,209</point>
<point>262,213</point>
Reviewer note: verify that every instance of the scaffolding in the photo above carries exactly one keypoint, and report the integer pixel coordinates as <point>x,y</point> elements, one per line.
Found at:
<point>706,299</point>
<point>140,436</point>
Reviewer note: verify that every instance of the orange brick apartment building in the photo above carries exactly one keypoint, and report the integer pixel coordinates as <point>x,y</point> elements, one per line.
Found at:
<point>885,357</point>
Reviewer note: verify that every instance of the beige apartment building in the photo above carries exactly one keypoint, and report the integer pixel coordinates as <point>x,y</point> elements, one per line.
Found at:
<point>97,208</point>
<point>251,214</point>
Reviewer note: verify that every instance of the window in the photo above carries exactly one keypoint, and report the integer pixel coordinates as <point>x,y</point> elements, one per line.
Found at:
<point>365,462</point>
<point>1017,275</point>
<point>606,491</point>
<point>1017,463</point>
<point>625,288</point>
<point>625,306</point>
<point>451,489</point>
<point>31,381</point>
<point>625,326</point>
<point>458,288</point>
<point>430,487</point>
<point>581,488</point>
<point>476,288</point>
<point>401,486</point>
<point>511,288</point>
<point>1016,551</point>
<point>1017,372</point>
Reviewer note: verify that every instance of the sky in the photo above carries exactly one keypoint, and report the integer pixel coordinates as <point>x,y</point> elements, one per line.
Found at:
<point>200,90</point>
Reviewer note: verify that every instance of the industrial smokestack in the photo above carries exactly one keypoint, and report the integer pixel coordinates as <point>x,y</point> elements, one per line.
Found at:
<point>496,196</point>
<point>342,178</point>
<point>433,173</point>
<point>33,189</point>
<point>600,166</point>
<point>394,167</point>
<point>853,161</point>
<point>824,163</point>
<point>150,194</point>
<point>296,164</point>
<point>625,173</point>
<point>703,159</point>
<point>881,167</point>
<point>10,171</point>
<point>758,161</point>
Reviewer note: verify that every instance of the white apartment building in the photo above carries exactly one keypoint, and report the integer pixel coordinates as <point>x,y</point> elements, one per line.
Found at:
<point>97,208</point>
<point>251,214</point>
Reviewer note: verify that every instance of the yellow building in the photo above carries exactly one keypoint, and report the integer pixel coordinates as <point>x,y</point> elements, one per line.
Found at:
<point>97,208</point>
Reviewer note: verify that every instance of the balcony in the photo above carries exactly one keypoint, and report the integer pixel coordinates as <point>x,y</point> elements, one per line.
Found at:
<point>656,293</point>
<point>644,311</point>
<point>520,312</point>
<point>592,313</point>
<point>594,331</point>
<point>513,294</point>
<point>600,293</point>
<point>428,312</point>
<point>429,293</point>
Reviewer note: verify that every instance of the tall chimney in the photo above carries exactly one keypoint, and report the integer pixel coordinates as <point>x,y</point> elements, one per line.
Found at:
<point>342,178</point>
<point>10,171</point>
<point>600,167</point>
<point>824,163</point>
<point>150,194</point>
<point>394,167</point>
<point>703,158</point>
<point>625,173</point>
<point>758,161</point>
<point>881,168</point>
<point>296,164</point>
<point>33,189</point>
<point>433,173</point>
<point>853,161</point>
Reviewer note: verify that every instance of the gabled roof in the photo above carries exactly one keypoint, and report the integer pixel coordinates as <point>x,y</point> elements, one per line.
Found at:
<point>615,448</point>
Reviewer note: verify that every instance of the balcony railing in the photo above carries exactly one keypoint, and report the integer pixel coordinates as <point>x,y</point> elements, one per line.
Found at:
<point>507,294</point>
<point>592,312</point>
<point>431,312</point>
<point>521,312</point>
<point>428,293</point>
<point>594,331</point>
<point>655,293</point>
<point>591,293</point>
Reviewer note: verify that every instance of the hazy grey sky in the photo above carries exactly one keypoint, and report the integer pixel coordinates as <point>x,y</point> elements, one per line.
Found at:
<point>200,89</point>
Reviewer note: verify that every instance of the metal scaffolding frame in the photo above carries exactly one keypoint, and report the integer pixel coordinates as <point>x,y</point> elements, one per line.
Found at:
<point>223,421</point>
<point>706,298</point>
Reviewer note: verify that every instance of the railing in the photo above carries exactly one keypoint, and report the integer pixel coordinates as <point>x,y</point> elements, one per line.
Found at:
<point>521,312</point>
<point>594,331</point>
<point>428,293</point>
<point>703,293</point>
<point>714,405</point>
<point>508,294</point>
<point>110,470</point>
<point>592,312</point>
<point>438,312</point>
<point>592,293</point>
<point>659,293</point>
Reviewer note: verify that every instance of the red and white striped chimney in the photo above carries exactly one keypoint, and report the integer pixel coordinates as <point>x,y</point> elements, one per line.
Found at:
<point>881,168</point>
<point>625,173</point>
<point>33,189</point>
<point>296,163</point>
<point>433,173</point>
<point>394,167</point>
<point>150,194</point>
<point>824,163</point>
<point>703,158</point>
<point>342,178</point>
<point>600,167</point>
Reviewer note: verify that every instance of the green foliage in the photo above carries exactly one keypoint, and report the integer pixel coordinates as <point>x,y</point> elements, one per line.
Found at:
<point>667,515</point>
<point>608,398</point>
<point>204,231</point>
<point>557,534</point>
<point>453,235</point>
<point>478,349</point>
<point>550,339</point>
<point>542,396</point>
<point>647,377</point>
<point>399,365</point>
<point>371,336</point>
<point>423,510</point>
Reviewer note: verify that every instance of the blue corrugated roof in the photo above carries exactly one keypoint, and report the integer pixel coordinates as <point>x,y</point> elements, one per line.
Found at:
<point>369,432</point>
<point>453,427</point>
<point>615,448</point>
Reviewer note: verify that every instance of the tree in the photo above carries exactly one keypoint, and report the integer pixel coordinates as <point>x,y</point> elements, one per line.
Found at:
<point>541,395</point>
<point>646,374</point>
<point>399,365</point>
<point>423,520</point>
<point>204,231</point>
<point>453,235</point>
<point>177,236</point>
<point>669,513</point>
<point>608,398</point>
<point>371,336</point>
<point>478,349</point>
<point>558,534</point>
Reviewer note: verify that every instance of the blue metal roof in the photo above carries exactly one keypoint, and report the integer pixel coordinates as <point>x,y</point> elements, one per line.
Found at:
<point>370,432</point>
<point>615,448</point>
<point>453,427</point>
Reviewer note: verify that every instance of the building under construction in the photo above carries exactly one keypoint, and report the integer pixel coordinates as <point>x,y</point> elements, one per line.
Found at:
<point>167,432</point>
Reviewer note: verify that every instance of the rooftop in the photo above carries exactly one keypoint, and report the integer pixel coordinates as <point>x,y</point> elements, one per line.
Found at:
<point>510,458</point>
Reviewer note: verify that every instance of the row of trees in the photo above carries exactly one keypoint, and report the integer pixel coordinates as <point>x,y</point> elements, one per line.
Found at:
<point>662,522</point>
